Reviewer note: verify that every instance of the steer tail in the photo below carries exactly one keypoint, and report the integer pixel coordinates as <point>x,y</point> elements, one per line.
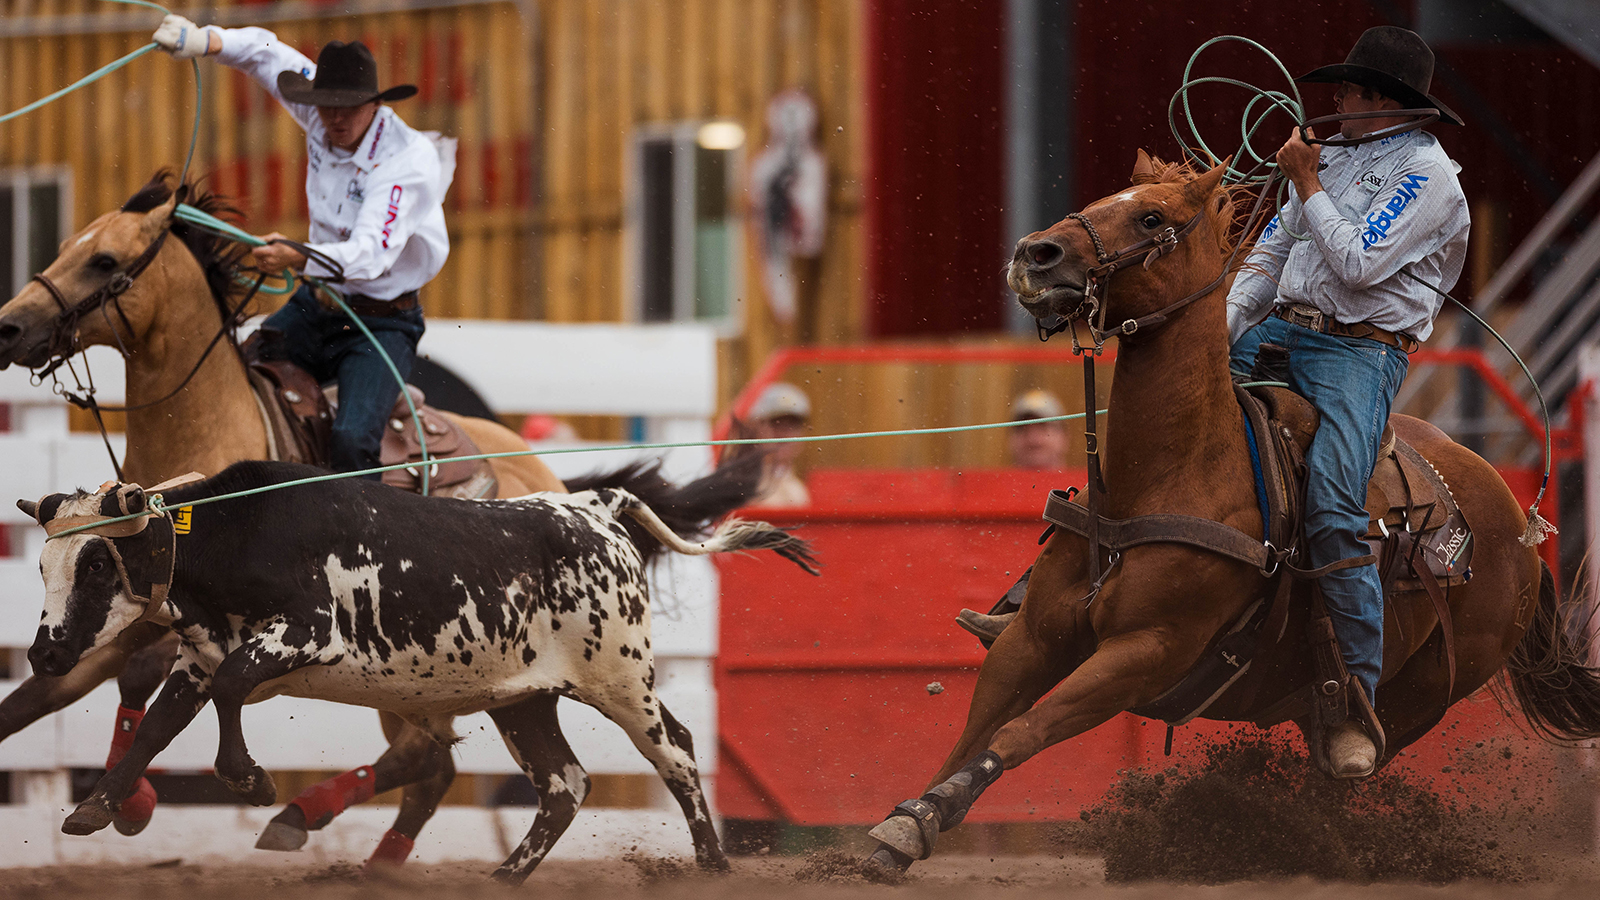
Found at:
<point>1551,670</point>
<point>731,535</point>
<point>685,510</point>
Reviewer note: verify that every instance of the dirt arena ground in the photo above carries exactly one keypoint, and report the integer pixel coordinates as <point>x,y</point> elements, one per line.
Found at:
<point>1251,821</point>
<point>957,876</point>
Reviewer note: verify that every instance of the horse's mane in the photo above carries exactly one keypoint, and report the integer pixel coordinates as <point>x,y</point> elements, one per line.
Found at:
<point>219,258</point>
<point>1232,217</point>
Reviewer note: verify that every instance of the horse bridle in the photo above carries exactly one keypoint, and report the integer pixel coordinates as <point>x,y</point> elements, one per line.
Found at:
<point>64,330</point>
<point>1108,264</point>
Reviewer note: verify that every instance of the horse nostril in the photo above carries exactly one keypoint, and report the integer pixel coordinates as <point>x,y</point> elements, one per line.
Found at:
<point>1045,254</point>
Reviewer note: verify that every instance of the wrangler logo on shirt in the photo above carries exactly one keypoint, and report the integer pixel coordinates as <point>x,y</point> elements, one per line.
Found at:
<point>392,214</point>
<point>1379,223</point>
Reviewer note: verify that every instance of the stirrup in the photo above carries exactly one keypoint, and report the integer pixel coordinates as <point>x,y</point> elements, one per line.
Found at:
<point>984,628</point>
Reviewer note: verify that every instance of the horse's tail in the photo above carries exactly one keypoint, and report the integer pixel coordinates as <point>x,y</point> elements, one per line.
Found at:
<point>1556,686</point>
<point>686,510</point>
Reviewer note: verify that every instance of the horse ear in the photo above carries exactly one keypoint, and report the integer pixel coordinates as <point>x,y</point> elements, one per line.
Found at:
<point>157,219</point>
<point>1203,187</point>
<point>1144,171</point>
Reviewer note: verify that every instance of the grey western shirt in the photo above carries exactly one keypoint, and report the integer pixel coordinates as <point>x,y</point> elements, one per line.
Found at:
<point>1384,206</point>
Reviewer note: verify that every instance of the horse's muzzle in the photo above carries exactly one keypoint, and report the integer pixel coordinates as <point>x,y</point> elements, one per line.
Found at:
<point>1060,300</point>
<point>18,346</point>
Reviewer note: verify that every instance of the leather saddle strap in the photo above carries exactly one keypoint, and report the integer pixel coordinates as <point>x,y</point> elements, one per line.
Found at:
<point>1441,607</point>
<point>1430,584</point>
<point>1169,528</point>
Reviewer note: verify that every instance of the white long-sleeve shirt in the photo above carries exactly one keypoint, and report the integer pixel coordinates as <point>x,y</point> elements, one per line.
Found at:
<point>377,211</point>
<point>1384,206</point>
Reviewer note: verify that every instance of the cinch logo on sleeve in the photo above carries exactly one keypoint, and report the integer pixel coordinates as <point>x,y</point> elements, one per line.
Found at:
<point>1271,227</point>
<point>1379,223</point>
<point>392,214</point>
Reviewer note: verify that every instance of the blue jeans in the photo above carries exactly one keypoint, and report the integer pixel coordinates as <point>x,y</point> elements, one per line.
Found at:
<point>1352,382</point>
<point>327,344</point>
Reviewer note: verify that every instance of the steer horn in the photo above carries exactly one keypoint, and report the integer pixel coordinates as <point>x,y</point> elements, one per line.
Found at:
<point>31,507</point>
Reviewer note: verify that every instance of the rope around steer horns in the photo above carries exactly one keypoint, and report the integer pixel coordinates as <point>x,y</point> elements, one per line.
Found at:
<point>163,550</point>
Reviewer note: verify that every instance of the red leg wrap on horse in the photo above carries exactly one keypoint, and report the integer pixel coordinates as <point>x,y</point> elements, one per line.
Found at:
<point>392,850</point>
<point>321,802</point>
<point>141,804</point>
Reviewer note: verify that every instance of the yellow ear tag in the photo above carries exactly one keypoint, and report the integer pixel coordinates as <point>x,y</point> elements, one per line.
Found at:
<point>182,519</point>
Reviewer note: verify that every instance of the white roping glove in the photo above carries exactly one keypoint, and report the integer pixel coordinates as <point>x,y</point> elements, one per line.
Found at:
<point>182,38</point>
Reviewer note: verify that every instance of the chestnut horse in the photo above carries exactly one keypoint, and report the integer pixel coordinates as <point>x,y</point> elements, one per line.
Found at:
<point>163,323</point>
<point>1174,442</point>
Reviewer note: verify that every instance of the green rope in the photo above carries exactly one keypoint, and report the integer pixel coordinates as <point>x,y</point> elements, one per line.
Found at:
<point>157,509</point>
<point>86,80</point>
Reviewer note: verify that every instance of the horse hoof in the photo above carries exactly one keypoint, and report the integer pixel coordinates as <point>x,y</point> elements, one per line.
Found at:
<point>904,835</point>
<point>886,865</point>
<point>278,836</point>
<point>90,816</point>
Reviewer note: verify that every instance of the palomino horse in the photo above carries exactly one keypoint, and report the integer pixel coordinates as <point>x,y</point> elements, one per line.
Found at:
<point>162,323</point>
<point>1175,442</point>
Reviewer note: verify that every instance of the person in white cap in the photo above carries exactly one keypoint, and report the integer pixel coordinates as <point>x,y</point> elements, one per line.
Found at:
<point>374,191</point>
<point>782,411</point>
<point>1038,445</point>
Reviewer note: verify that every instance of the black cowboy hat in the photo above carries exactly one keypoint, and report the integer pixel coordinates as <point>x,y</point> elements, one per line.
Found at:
<point>1392,61</point>
<point>347,75</point>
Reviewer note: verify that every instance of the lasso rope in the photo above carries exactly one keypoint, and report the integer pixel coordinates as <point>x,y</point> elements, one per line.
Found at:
<point>157,509</point>
<point>1291,104</point>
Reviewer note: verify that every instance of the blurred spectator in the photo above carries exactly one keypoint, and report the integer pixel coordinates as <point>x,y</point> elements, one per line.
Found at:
<point>1042,445</point>
<point>782,411</point>
<point>547,428</point>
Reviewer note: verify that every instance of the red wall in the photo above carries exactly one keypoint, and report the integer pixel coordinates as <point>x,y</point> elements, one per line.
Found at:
<point>934,186</point>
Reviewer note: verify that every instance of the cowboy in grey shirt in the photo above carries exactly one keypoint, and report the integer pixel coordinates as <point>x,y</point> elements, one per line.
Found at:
<point>1327,274</point>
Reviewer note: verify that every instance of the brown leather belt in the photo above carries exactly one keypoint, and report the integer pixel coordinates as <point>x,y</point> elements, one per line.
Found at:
<point>1317,320</point>
<point>371,306</point>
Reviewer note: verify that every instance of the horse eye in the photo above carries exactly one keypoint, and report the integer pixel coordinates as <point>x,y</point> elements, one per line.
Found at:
<point>102,262</point>
<point>1150,221</point>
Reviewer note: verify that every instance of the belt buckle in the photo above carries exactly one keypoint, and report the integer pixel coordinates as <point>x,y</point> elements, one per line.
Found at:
<point>1313,319</point>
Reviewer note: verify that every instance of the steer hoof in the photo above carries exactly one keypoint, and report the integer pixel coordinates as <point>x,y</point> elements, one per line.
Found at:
<point>278,836</point>
<point>255,788</point>
<point>91,815</point>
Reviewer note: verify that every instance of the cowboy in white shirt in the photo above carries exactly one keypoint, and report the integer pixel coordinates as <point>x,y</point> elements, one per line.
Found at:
<point>374,189</point>
<point>1327,282</point>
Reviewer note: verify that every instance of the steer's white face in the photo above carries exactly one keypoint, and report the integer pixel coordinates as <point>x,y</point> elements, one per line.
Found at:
<point>86,600</point>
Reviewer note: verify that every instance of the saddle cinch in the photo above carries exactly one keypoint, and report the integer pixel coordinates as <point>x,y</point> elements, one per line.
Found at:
<point>300,418</point>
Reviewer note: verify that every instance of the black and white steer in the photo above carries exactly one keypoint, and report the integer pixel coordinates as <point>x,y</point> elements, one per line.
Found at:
<point>358,593</point>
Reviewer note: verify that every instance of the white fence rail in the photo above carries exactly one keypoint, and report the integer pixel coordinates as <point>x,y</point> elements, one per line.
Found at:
<point>666,375</point>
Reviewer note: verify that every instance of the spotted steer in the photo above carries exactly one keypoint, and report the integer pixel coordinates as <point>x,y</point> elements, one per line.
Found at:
<point>357,593</point>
